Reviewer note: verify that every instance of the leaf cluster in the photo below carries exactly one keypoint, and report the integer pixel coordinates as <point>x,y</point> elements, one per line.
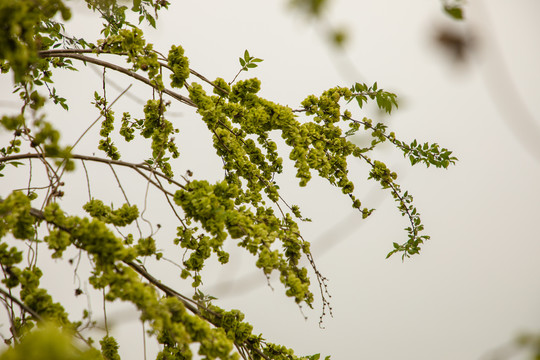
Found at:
<point>248,62</point>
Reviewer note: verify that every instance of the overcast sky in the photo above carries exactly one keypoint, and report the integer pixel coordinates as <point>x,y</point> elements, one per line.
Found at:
<point>474,287</point>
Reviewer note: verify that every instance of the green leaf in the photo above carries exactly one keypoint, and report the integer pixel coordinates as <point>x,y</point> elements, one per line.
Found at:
<point>455,12</point>
<point>151,20</point>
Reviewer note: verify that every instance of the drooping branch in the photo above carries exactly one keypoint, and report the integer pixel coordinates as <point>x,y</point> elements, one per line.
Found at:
<point>136,167</point>
<point>69,52</point>
<point>167,290</point>
<point>191,305</point>
<point>123,70</point>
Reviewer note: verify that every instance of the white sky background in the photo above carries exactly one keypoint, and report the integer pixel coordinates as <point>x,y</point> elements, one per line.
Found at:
<point>475,285</point>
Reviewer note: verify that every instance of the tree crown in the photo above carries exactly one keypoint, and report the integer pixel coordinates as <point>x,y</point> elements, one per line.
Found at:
<point>245,206</point>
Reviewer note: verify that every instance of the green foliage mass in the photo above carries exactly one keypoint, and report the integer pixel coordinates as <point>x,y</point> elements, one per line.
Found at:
<point>125,215</point>
<point>245,206</point>
<point>29,28</point>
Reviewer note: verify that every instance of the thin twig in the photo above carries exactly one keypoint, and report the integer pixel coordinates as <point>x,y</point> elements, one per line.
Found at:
<point>100,116</point>
<point>29,175</point>
<point>105,313</point>
<point>170,204</point>
<point>144,339</point>
<point>150,181</point>
<point>146,203</point>
<point>125,196</point>
<point>87,180</point>
<point>9,310</point>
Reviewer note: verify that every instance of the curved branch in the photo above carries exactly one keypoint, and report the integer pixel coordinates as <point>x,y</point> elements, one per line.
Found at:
<point>121,69</point>
<point>136,167</point>
<point>396,192</point>
<point>68,52</point>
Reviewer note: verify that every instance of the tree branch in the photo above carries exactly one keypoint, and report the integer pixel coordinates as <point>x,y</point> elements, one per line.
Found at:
<point>69,52</point>
<point>21,304</point>
<point>133,166</point>
<point>188,303</point>
<point>121,69</point>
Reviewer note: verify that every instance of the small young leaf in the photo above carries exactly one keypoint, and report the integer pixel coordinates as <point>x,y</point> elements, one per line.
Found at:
<point>151,20</point>
<point>454,11</point>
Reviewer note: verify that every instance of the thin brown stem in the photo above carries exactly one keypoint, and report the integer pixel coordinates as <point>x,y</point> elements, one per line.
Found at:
<point>125,196</point>
<point>87,180</point>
